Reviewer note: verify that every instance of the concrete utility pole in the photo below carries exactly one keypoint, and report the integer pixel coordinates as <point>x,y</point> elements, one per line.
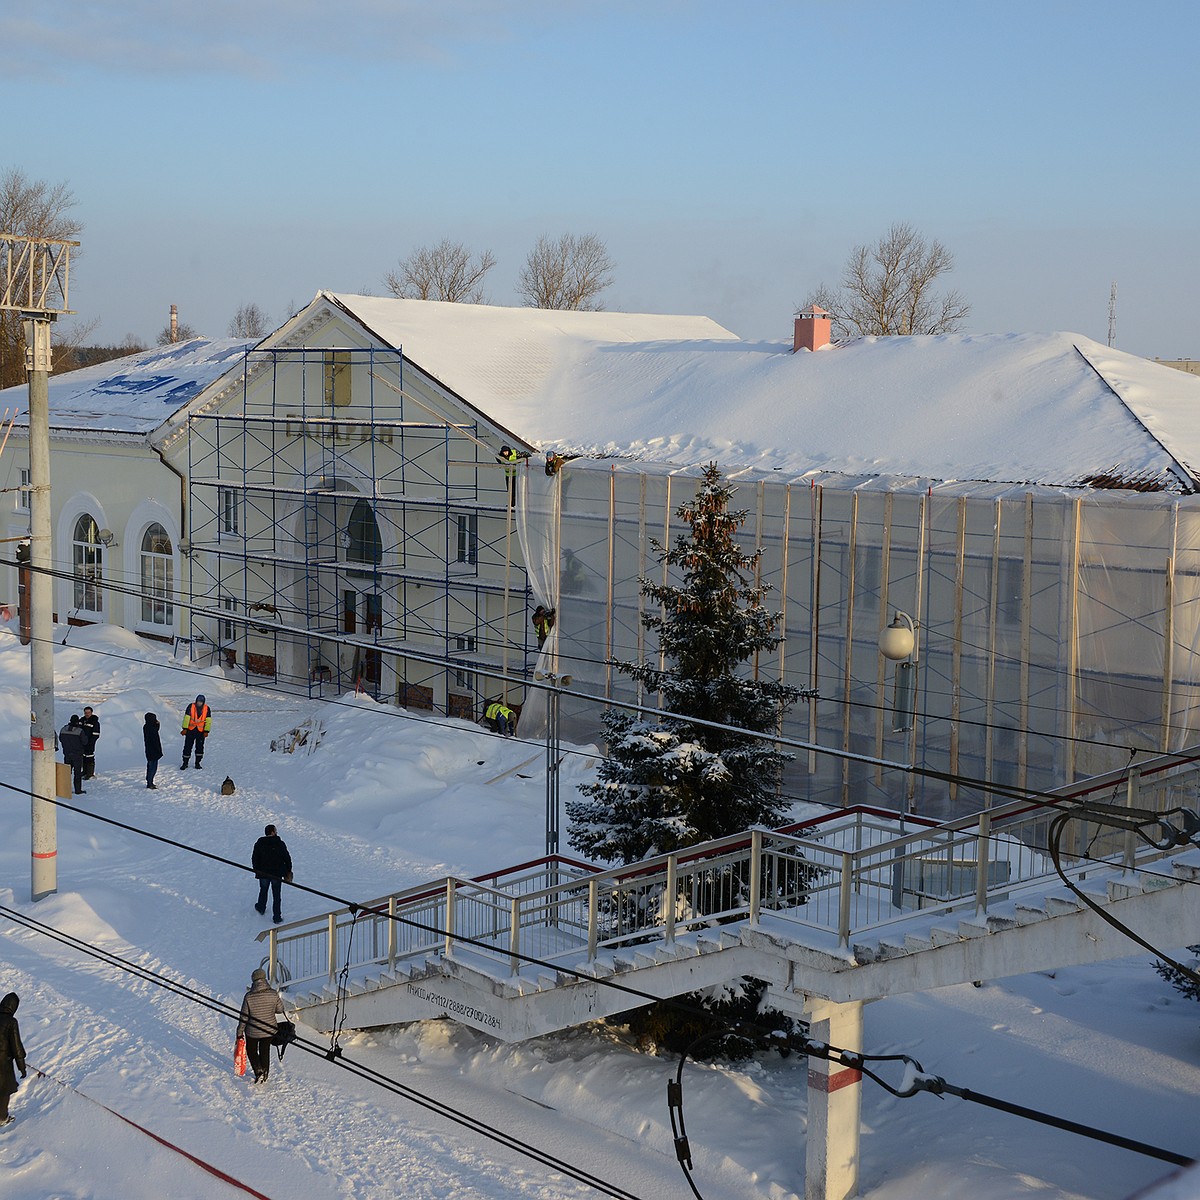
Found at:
<point>34,274</point>
<point>44,816</point>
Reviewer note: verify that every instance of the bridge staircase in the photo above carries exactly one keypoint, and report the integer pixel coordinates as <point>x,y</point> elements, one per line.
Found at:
<point>851,906</point>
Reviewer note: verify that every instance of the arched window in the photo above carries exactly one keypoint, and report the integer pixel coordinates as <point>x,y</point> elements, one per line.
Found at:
<point>158,578</point>
<point>363,543</point>
<point>87,560</point>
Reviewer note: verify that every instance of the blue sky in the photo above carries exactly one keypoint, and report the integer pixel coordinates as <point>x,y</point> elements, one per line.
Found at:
<point>729,154</point>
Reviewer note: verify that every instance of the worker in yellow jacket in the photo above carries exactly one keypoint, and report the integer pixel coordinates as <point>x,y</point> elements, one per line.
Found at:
<point>197,724</point>
<point>500,717</point>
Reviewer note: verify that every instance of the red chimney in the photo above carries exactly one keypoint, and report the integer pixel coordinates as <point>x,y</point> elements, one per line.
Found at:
<point>813,327</point>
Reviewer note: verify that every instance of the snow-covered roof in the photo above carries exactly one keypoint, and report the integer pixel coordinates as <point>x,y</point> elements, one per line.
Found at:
<point>1040,408</point>
<point>132,395</point>
<point>1055,409</point>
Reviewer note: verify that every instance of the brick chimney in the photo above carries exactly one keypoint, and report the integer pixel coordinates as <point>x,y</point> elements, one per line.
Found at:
<point>813,328</point>
<point>174,324</point>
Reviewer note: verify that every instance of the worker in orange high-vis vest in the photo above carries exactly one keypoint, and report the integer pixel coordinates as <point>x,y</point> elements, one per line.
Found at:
<point>197,724</point>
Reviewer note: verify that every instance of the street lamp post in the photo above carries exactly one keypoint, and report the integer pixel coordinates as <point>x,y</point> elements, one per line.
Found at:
<point>900,643</point>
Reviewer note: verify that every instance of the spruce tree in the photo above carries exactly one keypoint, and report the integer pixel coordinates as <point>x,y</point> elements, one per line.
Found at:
<point>1187,983</point>
<point>670,782</point>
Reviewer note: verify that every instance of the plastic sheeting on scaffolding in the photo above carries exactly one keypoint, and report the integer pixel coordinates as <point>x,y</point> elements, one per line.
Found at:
<point>1057,631</point>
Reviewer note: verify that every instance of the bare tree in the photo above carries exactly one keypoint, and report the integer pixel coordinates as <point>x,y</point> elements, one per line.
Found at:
<point>249,322</point>
<point>566,272</point>
<point>887,288</point>
<point>37,209</point>
<point>72,357</point>
<point>447,271</point>
<point>182,332</point>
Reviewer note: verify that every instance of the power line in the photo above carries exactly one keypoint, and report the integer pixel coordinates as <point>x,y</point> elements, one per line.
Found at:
<point>357,909</point>
<point>210,1002</point>
<point>176,599</point>
<point>1038,798</point>
<point>958,779</point>
<point>916,1080</point>
<point>1002,791</point>
<point>966,781</point>
<point>943,1087</point>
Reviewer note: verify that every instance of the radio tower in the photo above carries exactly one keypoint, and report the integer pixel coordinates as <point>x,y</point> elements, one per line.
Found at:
<point>1112,314</point>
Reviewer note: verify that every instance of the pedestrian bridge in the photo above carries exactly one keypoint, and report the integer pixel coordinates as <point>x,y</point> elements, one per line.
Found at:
<point>851,906</point>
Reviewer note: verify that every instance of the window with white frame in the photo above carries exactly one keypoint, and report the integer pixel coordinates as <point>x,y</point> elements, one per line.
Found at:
<point>23,491</point>
<point>464,644</point>
<point>87,566</point>
<point>228,629</point>
<point>158,577</point>
<point>230,512</point>
<point>468,538</point>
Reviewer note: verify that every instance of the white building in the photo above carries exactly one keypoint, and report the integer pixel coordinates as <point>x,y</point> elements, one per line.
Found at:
<point>118,505</point>
<point>1028,500</point>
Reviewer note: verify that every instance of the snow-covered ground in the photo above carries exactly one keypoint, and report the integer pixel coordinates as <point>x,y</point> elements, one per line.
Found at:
<point>390,799</point>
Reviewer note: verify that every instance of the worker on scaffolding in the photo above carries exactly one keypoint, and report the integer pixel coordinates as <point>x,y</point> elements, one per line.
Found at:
<point>509,459</point>
<point>542,621</point>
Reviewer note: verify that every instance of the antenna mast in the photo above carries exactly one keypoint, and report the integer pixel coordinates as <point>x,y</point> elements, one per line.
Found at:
<point>1112,314</point>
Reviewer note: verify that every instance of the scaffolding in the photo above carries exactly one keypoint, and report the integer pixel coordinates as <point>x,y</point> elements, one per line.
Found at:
<point>345,534</point>
<point>1058,632</point>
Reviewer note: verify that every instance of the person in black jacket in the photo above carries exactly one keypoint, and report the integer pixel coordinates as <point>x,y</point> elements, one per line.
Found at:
<point>70,738</point>
<point>272,868</point>
<point>11,1053</point>
<point>153,748</point>
<point>91,725</point>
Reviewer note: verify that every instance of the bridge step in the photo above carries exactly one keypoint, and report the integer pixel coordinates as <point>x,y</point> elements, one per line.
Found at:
<point>1028,914</point>
<point>1187,870</point>
<point>940,936</point>
<point>1063,905</point>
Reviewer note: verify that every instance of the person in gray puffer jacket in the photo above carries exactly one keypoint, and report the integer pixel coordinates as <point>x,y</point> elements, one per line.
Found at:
<point>257,1023</point>
<point>11,1052</point>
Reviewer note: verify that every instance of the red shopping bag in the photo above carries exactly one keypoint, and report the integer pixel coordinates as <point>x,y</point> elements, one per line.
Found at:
<point>239,1056</point>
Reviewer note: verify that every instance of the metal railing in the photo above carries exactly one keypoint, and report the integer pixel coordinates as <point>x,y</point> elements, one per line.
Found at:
<point>845,873</point>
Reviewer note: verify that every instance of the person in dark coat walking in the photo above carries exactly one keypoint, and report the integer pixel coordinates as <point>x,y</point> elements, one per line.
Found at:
<point>272,868</point>
<point>70,738</point>
<point>197,725</point>
<point>12,1053</point>
<point>91,723</point>
<point>257,1024</point>
<point>153,748</point>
